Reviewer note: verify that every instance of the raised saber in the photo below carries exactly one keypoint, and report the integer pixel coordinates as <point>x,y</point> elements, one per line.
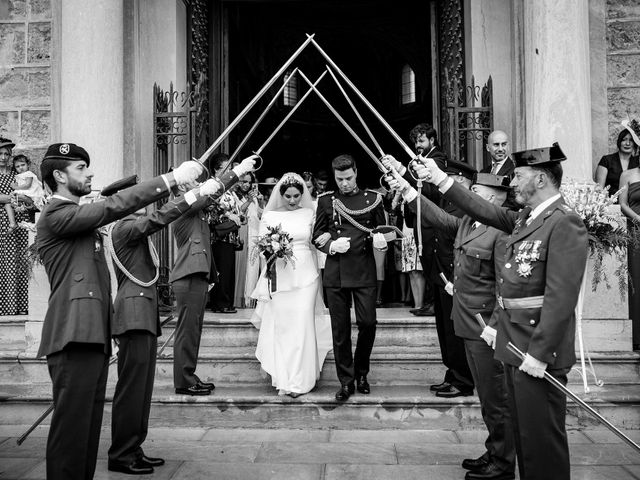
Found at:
<point>262,115</point>
<point>289,115</point>
<point>363,98</point>
<point>556,383</point>
<point>255,99</point>
<point>113,359</point>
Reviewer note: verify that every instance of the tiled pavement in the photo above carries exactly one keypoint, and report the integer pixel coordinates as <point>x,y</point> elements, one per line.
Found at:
<point>248,454</point>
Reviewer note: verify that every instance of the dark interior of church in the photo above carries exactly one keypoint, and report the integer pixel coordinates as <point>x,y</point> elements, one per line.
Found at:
<point>371,42</point>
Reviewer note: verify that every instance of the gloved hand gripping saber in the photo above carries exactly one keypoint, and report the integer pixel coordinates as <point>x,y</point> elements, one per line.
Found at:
<point>112,360</point>
<point>556,383</point>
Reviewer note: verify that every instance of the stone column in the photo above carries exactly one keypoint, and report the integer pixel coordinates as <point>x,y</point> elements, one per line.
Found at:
<point>556,80</point>
<point>88,82</point>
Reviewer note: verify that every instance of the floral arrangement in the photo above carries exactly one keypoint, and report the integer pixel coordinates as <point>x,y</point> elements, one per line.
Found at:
<point>274,244</point>
<point>606,228</point>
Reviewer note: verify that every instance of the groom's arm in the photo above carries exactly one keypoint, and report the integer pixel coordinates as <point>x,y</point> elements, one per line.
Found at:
<point>322,222</point>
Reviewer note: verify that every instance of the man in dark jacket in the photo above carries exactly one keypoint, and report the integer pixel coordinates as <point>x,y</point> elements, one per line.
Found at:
<point>76,334</point>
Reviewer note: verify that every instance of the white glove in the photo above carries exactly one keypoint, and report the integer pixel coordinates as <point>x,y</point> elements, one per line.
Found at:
<point>340,245</point>
<point>449,288</point>
<point>379,242</point>
<point>187,172</point>
<point>322,240</point>
<point>211,187</point>
<point>398,184</point>
<point>392,164</point>
<point>247,165</point>
<point>489,336</point>
<point>427,169</point>
<point>533,367</point>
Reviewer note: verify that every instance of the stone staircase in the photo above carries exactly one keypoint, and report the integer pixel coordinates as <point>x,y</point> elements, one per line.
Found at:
<point>405,361</point>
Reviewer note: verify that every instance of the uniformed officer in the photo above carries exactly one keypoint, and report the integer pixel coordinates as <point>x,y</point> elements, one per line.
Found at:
<point>190,279</point>
<point>343,230</point>
<point>76,332</point>
<point>136,323</point>
<point>474,293</point>
<point>540,269</point>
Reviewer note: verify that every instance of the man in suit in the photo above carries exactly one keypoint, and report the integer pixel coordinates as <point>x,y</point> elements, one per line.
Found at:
<point>190,279</point>
<point>343,230</point>
<point>135,324</point>
<point>501,163</point>
<point>474,285</point>
<point>76,335</point>
<point>539,271</point>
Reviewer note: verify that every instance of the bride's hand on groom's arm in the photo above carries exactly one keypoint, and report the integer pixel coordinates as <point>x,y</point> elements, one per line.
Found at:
<point>322,240</point>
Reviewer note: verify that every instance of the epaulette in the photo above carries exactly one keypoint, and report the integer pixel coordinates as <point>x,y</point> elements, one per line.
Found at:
<point>328,192</point>
<point>567,208</point>
<point>371,190</point>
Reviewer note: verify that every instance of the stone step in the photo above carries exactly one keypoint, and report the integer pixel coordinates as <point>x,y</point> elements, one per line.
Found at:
<point>405,407</point>
<point>230,366</point>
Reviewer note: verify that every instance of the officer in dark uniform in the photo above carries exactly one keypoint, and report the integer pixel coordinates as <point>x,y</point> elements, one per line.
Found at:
<point>540,269</point>
<point>136,323</point>
<point>474,284</point>
<point>190,279</point>
<point>343,230</point>
<point>76,334</point>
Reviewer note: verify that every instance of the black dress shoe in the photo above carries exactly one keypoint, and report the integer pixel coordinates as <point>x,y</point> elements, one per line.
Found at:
<point>345,392</point>
<point>202,384</point>
<point>475,463</point>
<point>229,310</point>
<point>424,311</point>
<point>452,392</point>
<point>362,385</point>
<point>439,386</point>
<point>193,390</point>
<point>151,461</point>
<point>134,468</point>
<point>489,472</point>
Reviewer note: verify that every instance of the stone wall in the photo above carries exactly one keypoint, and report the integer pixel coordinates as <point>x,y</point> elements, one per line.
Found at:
<point>623,63</point>
<point>25,75</point>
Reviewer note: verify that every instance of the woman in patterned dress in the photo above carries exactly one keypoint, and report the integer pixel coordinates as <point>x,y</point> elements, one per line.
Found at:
<point>13,244</point>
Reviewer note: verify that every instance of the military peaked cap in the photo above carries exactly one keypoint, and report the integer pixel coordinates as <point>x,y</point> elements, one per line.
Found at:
<point>453,167</point>
<point>536,157</point>
<point>500,182</point>
<point>118,185</point>
<point>66,151</point>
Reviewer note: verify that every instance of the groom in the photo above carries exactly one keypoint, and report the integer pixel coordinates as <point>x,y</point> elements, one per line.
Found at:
<point>344,220</point>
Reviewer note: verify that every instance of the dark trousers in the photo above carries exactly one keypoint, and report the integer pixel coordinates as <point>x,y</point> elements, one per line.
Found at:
<point>132,398</point>
<point>452,348</point>
<point>538,413</point>
<point>79,377</point>
<point>191,297</point>
<point>223,292</point>
<point>349,366</point>
<point>488,376</point>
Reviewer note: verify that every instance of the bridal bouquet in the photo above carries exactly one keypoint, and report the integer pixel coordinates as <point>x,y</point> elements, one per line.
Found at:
<point>274,244</point>
<point>606,227</point>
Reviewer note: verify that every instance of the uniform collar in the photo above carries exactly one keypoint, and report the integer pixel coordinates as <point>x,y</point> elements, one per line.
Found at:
<point>351,193</point>
<point>540,208</point>
<point>60,197</point>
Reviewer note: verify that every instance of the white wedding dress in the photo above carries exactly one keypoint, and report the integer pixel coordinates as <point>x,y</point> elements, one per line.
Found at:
<point>294,340</point>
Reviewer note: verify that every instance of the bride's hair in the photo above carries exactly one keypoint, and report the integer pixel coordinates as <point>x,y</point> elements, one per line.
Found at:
<point>291,181</point>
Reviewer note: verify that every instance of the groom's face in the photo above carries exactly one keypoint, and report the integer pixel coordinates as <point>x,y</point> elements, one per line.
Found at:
<point>346,179</point>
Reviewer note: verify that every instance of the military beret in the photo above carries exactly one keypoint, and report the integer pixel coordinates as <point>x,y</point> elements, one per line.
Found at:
<point>453,167</point>
<point>536,157</point>
<point>631,125</point>
<point>500,182</point>
<point>66,151</point>
<point>118,185</point>
<point>6,143</point>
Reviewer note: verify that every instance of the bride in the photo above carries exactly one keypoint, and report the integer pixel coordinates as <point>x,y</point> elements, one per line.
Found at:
<point>293,340</point>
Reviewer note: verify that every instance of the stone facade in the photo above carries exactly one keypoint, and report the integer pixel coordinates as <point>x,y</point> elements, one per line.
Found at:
<point>623,63</point>
<point>25,75</point>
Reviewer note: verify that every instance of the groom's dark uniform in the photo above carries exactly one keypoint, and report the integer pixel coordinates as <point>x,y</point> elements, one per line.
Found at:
<point>352,273</point>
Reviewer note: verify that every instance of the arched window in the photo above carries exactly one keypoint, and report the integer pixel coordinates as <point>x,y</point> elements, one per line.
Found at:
<point>408,86</point>
<point>290,93</point>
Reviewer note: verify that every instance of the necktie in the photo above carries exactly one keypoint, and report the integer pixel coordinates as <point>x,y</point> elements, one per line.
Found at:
<point>494,168</point>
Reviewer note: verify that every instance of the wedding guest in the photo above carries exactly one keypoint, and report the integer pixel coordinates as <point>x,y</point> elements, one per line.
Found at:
<point>611,166</point>
<point>310,182</point>
<point>321,181</point>
<point>28,185</point>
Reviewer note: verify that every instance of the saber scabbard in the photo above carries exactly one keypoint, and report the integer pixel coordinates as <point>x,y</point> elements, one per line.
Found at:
<point>556,383</point>
<point>481,321</point>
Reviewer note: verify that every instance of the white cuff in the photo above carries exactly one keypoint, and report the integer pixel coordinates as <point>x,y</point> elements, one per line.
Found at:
<point>166,181</point>
<point>238,171</point>
<point>410,195</point>
<point>446,185</point>
<point>190,198</point>
<point>402,170</point>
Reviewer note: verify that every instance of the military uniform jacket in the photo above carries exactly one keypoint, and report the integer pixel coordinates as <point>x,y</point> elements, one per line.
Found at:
<point>546,257</point>
<point>192,235</point>
<point>135,306</point>
<point>441,252</point>
<point>356,267</point>
<point>474,278</point>
<point>71,250</point>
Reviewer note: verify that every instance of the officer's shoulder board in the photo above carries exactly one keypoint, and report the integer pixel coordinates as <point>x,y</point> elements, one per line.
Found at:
<point>324,194</point>
<point>371,190</point>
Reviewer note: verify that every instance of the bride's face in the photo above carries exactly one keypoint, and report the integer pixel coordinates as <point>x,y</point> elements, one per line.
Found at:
<point>292,197</point>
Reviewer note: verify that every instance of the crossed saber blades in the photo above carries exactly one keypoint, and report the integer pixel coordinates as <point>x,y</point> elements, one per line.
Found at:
<point>556,383</point>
